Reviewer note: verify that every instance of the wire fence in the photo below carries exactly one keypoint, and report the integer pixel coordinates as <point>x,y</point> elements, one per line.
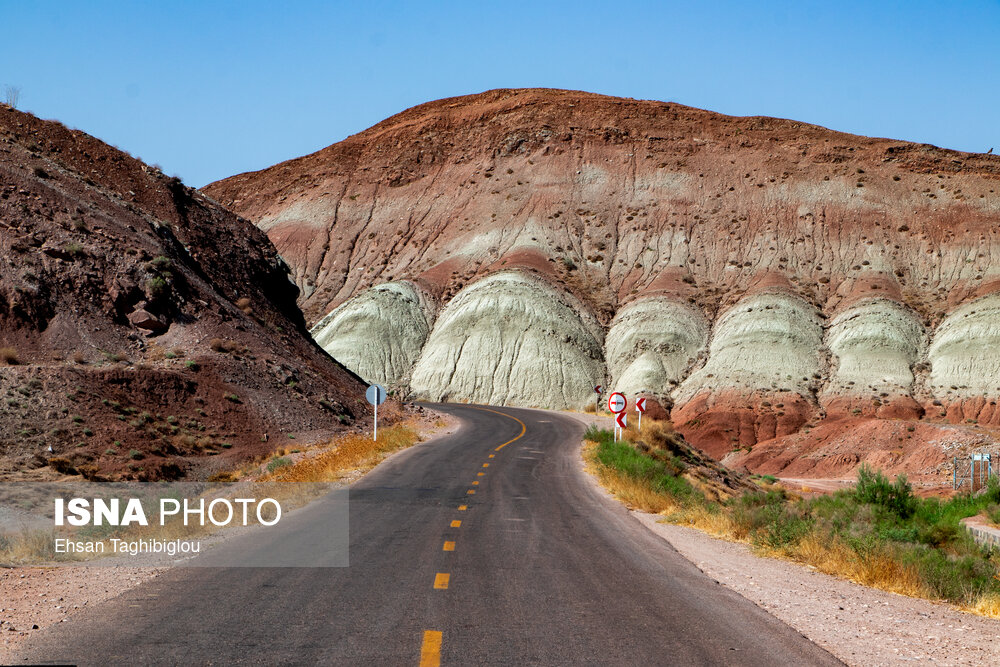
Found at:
<point>972,472</point>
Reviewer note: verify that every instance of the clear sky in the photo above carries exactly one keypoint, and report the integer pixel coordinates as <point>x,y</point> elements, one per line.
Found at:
<point>211,89</point>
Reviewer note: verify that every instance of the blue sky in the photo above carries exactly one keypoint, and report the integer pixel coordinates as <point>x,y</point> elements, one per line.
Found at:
<point>208,90</point>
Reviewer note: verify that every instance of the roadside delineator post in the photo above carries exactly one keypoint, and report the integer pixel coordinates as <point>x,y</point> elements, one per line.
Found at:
<point>376,395</point>
<point>640,407</point>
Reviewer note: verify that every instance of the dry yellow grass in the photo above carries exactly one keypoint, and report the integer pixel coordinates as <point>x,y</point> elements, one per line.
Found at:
<point>345,455</point>
<point>879,569</point>
<point>987,605</point>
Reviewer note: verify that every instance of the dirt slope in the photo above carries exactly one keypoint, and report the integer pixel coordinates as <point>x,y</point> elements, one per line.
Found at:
<point>807,251</point>
<point>143,328</point>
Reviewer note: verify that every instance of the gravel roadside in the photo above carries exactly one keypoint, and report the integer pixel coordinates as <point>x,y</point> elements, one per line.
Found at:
<point>859,625</point>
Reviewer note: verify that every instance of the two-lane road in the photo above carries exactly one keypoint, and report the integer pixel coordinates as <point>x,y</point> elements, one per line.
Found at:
<point>488,546</point>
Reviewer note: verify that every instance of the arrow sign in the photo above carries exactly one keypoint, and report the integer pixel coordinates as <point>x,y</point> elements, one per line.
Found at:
<point>621,419</point>
<point>640,407</point>
<point>617,402</point>
<point>597,388</point>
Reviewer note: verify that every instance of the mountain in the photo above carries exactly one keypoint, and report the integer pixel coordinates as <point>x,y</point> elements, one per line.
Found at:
<point>792,295</point>
<point>145,331</point>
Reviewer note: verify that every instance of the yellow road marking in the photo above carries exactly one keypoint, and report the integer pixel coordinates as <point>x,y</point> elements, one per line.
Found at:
<point>471,492</point>
<point>492,455</point>
<point>486,465</point>
<point>456,524</point>
<point>476,483</point>
<point>430,651</point>
<point>520,435</point>
<point>448,546</point>
<point>462,508</point>
<point>441,580</point>
<point>480,474</point>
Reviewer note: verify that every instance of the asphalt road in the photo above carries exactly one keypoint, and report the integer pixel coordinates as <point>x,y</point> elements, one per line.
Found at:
<point>537,566</point>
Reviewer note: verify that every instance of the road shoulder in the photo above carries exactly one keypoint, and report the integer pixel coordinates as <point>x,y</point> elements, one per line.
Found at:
<point>859,625</point>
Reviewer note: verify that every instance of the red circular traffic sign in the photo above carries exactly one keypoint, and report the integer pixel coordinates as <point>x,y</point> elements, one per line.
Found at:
<point>617,402</point>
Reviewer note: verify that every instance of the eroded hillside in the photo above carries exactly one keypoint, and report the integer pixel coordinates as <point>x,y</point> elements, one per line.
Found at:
<point>143,327</point>
<point>760,277</point>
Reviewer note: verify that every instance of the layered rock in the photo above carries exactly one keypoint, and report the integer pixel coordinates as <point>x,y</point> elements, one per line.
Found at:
<point>864,243</point>
<point>965,361</point>
<point>651,345</point>
<point>875,343</point>
<point>379,333</point>
<point>761,376</point>
<point>510,339</point>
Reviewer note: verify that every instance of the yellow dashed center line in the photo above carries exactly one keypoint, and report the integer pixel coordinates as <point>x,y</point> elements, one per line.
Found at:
<point>430,651</point>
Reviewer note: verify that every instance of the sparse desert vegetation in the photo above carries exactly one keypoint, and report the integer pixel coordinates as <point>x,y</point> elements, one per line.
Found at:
<point>878,533</point>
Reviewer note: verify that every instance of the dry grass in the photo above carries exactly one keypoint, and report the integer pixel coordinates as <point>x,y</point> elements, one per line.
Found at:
<point>878,569</point>
<point>9,356</point>
<point>350,453</point>
<point>29,546</point>
<point>987,605</point>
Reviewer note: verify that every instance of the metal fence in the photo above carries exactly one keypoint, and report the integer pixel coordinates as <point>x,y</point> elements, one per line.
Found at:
<point>972,471</point>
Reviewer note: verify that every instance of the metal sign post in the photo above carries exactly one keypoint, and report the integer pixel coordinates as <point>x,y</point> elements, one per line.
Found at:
<point>617,403</point>
<point>376,395</point>
<point>621,420</point>
<point>640,407</point>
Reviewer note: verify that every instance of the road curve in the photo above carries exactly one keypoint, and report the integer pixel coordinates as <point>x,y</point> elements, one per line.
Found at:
<point>542,569</point>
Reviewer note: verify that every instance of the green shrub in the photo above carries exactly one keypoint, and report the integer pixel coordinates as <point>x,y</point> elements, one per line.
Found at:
<point>157,288</point>
<point>279,462</point>
<point>874,488</point>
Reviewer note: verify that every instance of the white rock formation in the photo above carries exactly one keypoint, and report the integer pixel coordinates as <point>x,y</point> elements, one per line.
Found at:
<point>767,341</point>
<point>875,343</point>
<point>511,339</point>
<point>652,344</point>
<point>379,333</point>
<point>965,351</point>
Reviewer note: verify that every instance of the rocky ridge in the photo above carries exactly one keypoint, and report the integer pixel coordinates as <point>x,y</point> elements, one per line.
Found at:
<point>145,331</point>
<point>759,277</point>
